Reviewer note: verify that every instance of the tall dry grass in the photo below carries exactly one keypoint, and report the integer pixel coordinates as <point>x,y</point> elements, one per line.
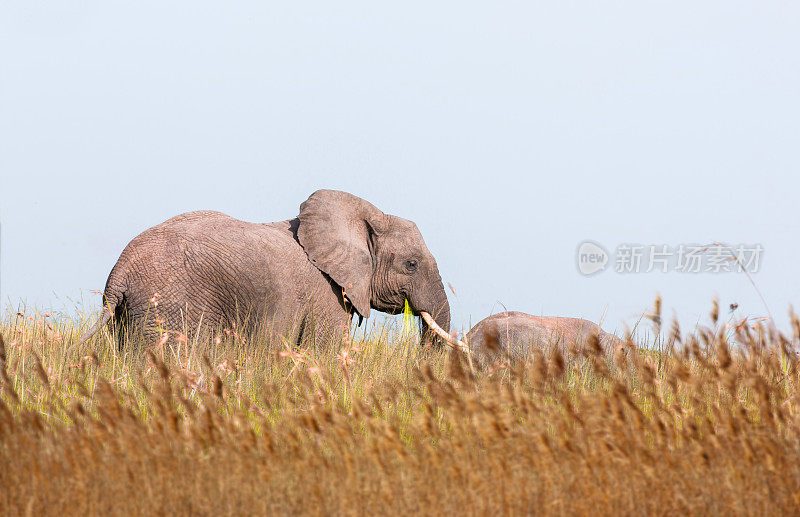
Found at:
<point>706,424</point>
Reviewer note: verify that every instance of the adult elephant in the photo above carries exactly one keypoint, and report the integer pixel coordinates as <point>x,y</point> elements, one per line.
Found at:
<point>301,277</point>
<point>517,334</point>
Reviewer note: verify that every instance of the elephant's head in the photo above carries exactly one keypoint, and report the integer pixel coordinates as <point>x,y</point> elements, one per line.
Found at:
<point>379,260</point>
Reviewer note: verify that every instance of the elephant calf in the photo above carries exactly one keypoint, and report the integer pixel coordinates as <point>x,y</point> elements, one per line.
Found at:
<point>518,334</point>
<point>300,277</point>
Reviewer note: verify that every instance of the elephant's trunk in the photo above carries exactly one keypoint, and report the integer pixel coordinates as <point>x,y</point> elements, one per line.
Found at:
<point>438,310</point>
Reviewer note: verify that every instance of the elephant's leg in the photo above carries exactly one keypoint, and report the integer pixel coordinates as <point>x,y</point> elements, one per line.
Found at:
<point>324,329</point>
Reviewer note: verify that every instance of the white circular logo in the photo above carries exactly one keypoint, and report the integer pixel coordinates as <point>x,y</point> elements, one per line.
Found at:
<point>592,258</point>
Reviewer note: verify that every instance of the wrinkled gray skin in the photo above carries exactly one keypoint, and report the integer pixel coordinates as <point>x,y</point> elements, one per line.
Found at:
<point>309,275</point>
<point>518,334</point>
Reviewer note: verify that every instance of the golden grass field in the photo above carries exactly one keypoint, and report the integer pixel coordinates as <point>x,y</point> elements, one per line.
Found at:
<point>700,423</point>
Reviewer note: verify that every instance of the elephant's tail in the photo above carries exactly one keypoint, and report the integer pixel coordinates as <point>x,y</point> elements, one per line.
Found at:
<point>113,297</point>
<point>108,313</point>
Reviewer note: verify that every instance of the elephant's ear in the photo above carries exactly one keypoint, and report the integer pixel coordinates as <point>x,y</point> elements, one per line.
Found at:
<point>335,231</point>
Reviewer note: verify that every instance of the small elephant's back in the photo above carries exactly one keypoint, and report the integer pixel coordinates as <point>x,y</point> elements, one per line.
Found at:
<point>519,333</point>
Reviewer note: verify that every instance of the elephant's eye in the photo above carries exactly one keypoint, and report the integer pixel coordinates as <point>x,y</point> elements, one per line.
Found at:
<point>411,265</point>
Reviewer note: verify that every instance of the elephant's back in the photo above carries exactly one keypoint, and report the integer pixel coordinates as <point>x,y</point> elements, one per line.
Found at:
<point>179,241</point>
<point>203,262</point>
<point>196,226</point>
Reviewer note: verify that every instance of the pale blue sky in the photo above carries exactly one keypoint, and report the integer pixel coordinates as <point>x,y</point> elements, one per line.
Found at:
<point>508,131</point>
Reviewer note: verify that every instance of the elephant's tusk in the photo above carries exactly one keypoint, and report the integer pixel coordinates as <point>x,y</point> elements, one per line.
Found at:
<point>453,342</point>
